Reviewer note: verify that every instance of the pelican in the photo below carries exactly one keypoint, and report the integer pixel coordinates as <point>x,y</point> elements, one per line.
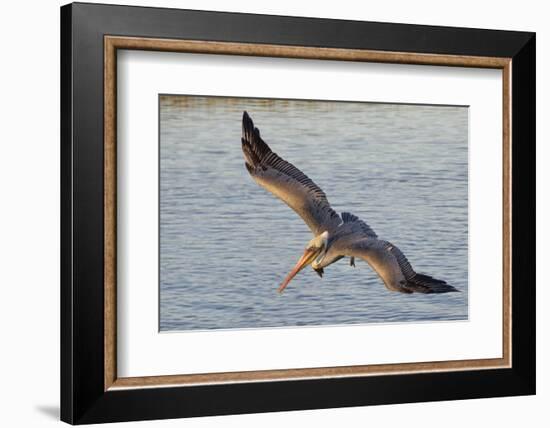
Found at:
<point>335,236</point>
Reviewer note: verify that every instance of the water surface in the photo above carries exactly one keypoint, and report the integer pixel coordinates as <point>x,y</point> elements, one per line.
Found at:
<point>226,243</point>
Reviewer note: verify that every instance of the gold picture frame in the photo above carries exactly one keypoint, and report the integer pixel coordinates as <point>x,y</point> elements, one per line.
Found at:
<point>113,43</point>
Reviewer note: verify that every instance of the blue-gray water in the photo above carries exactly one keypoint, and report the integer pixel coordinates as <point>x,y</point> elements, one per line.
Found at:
<point>226,243</point>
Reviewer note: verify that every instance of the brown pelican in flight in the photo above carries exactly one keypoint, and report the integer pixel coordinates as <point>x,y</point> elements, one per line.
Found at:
<point>335,236</point>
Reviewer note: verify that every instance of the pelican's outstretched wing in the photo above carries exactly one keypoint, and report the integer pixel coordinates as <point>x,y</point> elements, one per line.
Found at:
<point>286,181</point>
<point>392,266</point>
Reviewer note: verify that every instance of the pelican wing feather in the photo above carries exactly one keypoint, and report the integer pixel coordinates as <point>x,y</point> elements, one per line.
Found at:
<point>286,181</point>
<point>391,265</point>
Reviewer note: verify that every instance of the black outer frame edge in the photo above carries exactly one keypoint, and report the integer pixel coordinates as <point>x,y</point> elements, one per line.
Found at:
<point>83,398</point>
<point>66,306</point>
<point>524,212</point>
<point>300,31</point>
<point>169,403</point>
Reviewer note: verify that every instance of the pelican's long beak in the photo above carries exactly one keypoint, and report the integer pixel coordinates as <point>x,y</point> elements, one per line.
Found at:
<point>307,258</point>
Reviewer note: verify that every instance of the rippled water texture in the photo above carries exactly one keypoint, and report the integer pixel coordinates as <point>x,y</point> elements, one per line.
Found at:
<point>226,243</point>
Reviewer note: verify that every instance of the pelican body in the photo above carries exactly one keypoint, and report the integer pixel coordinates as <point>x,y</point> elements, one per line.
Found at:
<point>335,236</point>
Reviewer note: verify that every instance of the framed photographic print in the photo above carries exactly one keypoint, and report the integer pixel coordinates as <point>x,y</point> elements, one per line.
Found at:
<point>264,213</point>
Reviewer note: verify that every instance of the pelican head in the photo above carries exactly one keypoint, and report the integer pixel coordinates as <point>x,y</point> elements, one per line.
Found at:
<point>314,253</point>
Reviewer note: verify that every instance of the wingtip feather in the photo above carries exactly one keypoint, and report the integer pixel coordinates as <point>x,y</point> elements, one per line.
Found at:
<point>248,126</point>
<point>427,284</point>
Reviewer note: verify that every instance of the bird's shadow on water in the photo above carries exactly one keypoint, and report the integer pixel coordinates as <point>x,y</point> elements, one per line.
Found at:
<point>51,411</point>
